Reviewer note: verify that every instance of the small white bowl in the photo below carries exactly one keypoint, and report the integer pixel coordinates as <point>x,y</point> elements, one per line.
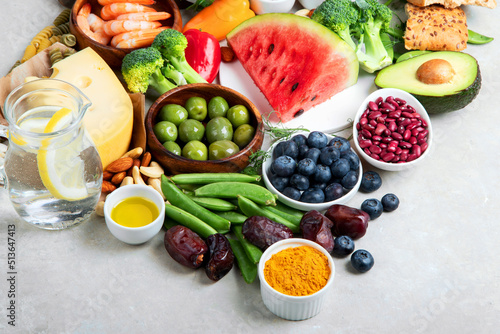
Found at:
<point>271,6</point>
<point>310,4</point>
<point>293,307</point>
<point>266,167</point>
<point>410,100</point>
<point>134,235</point>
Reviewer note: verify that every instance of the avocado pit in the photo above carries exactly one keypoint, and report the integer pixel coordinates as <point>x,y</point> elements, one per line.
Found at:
<point>435,71</point>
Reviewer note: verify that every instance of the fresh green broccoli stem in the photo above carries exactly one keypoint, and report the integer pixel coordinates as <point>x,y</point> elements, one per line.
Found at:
<point>172,74</point>
<point>159,83</point>
<point>181,65</point>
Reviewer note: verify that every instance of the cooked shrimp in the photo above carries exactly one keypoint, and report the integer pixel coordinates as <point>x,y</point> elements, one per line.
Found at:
<point>147,16</point>
<point>81,20</point>
<point>115,27</point>
<point>111,11</point>
<point>136,38</point>
<point>142,2</point>
<point>95,22</point>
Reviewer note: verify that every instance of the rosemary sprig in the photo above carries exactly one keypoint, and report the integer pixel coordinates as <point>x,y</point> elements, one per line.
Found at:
<point>278,131</point>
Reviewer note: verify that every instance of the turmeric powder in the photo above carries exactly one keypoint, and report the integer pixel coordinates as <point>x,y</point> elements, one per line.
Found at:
<point>297,271</point>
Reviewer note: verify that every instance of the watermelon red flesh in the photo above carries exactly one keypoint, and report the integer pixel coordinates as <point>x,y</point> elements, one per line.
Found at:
<point>294,61</point>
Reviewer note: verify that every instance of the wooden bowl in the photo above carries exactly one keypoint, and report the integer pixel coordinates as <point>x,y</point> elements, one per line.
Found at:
<point>175,164</point>
<point>113,56</point>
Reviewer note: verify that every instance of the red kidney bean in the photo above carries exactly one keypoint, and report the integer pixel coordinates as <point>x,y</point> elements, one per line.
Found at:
<point>416,149</point>
<point>400,101</point>
<point>396,158</point>
<point>381,119</point>
<point>387,106</point>
<point>412,140</point>
<point>403,156</point>
<point>363,121</point>
<point>406,114</point>
<point>411,157</point>
<point>367,151</point>
<point>375,149</point>
<point>373,122</point>
<point>404,122</point>
<point>423,123</point>
<point>389,156</point>
<point>398,151</point>
<point>364,143</point>
<point>377,138</point>
<point>372,105</point>
<point>386,133</point>
<point>394,114</point>
<point>374,114</point>
<point>396,136</point>
<point>424,146</point>
<point>401,129</point>
<point>379,100</point>
<point>365,133</point>
<point>375,156</point>
<point>406,135</point>
<point>379,129</point>
<point>382,145</point>
<point>368,127</point>
<point>386,140</point>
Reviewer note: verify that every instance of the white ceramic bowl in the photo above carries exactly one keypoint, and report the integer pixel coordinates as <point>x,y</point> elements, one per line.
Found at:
<point>266,167</point>
<point>271,6</point>
<point>410,100</point>
<point>134,235</point>
<point>293,307</point>
<point>310,4</point>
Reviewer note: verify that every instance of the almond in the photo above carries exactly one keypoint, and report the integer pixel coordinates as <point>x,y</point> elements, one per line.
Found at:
<point>137,162</point>
<point>107,187</point>
<point>107,175</point>
<point>146,159</point>
<point>227,54</point>
<point>118,178</point>
<point>120,165</point>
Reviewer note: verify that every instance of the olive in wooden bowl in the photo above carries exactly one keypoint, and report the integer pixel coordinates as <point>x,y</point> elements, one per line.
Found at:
<point>210,132</point>
<point>114,55</point>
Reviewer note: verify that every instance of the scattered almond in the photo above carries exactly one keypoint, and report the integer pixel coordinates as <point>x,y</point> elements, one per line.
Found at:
<point>120,165</point>
<point>146,159</point>
<point>107,175</point>
<point>118,178</point>
<point>107,187</point>
<point>227,54</point>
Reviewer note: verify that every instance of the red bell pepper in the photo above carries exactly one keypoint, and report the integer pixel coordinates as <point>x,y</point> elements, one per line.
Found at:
<point>203,53</point>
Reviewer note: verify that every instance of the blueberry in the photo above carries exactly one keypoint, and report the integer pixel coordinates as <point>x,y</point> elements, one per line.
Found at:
<point>303,151</point>
<point>278,150</point>
<point>328,155</point>
<point>279,182</point>
<point>370,182</point>
<point>390,202</point>
<point>306,167</point>
<point>333,191</point>
<point>352,158</point>
<point>319,185</point>
<point>291,149</point>
<point>313,153</point>
<point>373,207</point>
<point>284,166</point>
<point>340,143</point>
<point>292,193</point>
<point>343,246</point>
<point>362,260</point>
<point>299,181</point>
<point>322,174</point>
<point>340,168</point>
<point>313,195</point>
<point>350,179</point>
<point>317,139</point>
<point>300,140</point>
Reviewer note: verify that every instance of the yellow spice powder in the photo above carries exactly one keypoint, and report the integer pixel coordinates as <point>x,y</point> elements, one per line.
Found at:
<point>297,271</point>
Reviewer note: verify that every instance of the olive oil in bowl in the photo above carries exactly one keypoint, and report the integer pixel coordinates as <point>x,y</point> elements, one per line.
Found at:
<point>135,212</point>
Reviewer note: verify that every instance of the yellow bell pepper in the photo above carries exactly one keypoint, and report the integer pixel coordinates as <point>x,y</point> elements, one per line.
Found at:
<point>221,17</point>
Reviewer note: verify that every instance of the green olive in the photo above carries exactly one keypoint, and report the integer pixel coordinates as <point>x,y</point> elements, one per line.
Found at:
<point>243,135</point>
<point>222,149</point>
<point>173,147</point>
<point>195,150</point>
<point>219,128</point>
<point>238,115</point>
<point>197,108</point>
<point>165,131</point>
<point>173,113</point>
<point>217,106</point>
<point>191,129</point>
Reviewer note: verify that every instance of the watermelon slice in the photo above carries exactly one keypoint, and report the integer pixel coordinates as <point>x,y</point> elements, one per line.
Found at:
<point>296,62</point>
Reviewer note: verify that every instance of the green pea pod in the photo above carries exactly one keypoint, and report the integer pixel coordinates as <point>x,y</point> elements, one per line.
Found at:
<point>169,223</point>
<point>233,216</point>
<point>188,220</point>
<point>205,178</point>
<point>252,191</point>
<point>291,218</point>
<point>214,204</point>
<point>250,208</point>
<point>289,210</point>
<point>253,252</point>
<point>247,267</point>
<point>176,197</point>
<point>477,38</point>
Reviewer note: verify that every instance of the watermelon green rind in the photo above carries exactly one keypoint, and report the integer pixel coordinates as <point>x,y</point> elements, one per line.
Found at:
<point>296,62</point>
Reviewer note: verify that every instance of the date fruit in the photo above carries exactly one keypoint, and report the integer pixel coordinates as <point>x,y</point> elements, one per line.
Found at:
<point>263,232</point>
<point>316,227</point>
<point>185,246</point>
<point>347,221</point>
<point>221,257</point>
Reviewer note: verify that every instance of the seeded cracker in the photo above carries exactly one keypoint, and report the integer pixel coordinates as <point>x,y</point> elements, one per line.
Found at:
<point>435,28</point>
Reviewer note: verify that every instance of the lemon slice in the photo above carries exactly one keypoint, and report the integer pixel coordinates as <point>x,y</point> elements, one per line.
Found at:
<point>61,169</point>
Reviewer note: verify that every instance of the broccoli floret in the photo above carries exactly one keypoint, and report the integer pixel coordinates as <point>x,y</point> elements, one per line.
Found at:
<point>172,45</point>
<point>141,69</point>
<point>172,74</point>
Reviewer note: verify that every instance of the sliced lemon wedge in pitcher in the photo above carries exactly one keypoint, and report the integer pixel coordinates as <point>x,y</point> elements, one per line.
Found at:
<point>61,169</point>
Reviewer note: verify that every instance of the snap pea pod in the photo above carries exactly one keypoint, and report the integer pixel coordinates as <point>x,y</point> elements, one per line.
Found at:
<point>252,191</point>
<point>176,197</point>
<point>189,187</point>
<point>477,38</point>
<point>233,216</point>
<point>253,252</point>
<point>168,223</point>
<point>247,267</point>
<point>250,208</point>
<point>188,220</point>
<point>204,178</point>
<point>214,204</point>
<point>288,209</point>
<point>291,218</point>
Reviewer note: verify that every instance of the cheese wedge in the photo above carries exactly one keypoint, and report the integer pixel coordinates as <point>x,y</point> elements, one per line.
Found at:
<point>109,120</point>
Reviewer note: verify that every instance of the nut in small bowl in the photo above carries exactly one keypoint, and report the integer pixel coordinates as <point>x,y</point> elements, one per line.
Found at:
<point>113,55</point>
<point>296,307</point>
<point>335,188</point>
<point>196,134</point>
<point>392,130</point>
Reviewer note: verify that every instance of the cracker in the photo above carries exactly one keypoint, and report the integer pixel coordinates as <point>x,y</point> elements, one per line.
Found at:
<point>455,3</point>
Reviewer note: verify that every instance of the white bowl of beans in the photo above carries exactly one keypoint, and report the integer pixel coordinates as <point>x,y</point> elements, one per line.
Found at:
<point>392,130</point>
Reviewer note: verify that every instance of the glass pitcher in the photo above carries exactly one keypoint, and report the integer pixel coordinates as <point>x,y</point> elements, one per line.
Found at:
<point>52,169</point>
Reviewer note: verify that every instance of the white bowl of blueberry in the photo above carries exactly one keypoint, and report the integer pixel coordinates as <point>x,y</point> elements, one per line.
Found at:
<point>312,171</point>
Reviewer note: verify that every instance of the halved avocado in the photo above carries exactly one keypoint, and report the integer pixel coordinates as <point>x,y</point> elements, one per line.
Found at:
<point>457,73</point>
